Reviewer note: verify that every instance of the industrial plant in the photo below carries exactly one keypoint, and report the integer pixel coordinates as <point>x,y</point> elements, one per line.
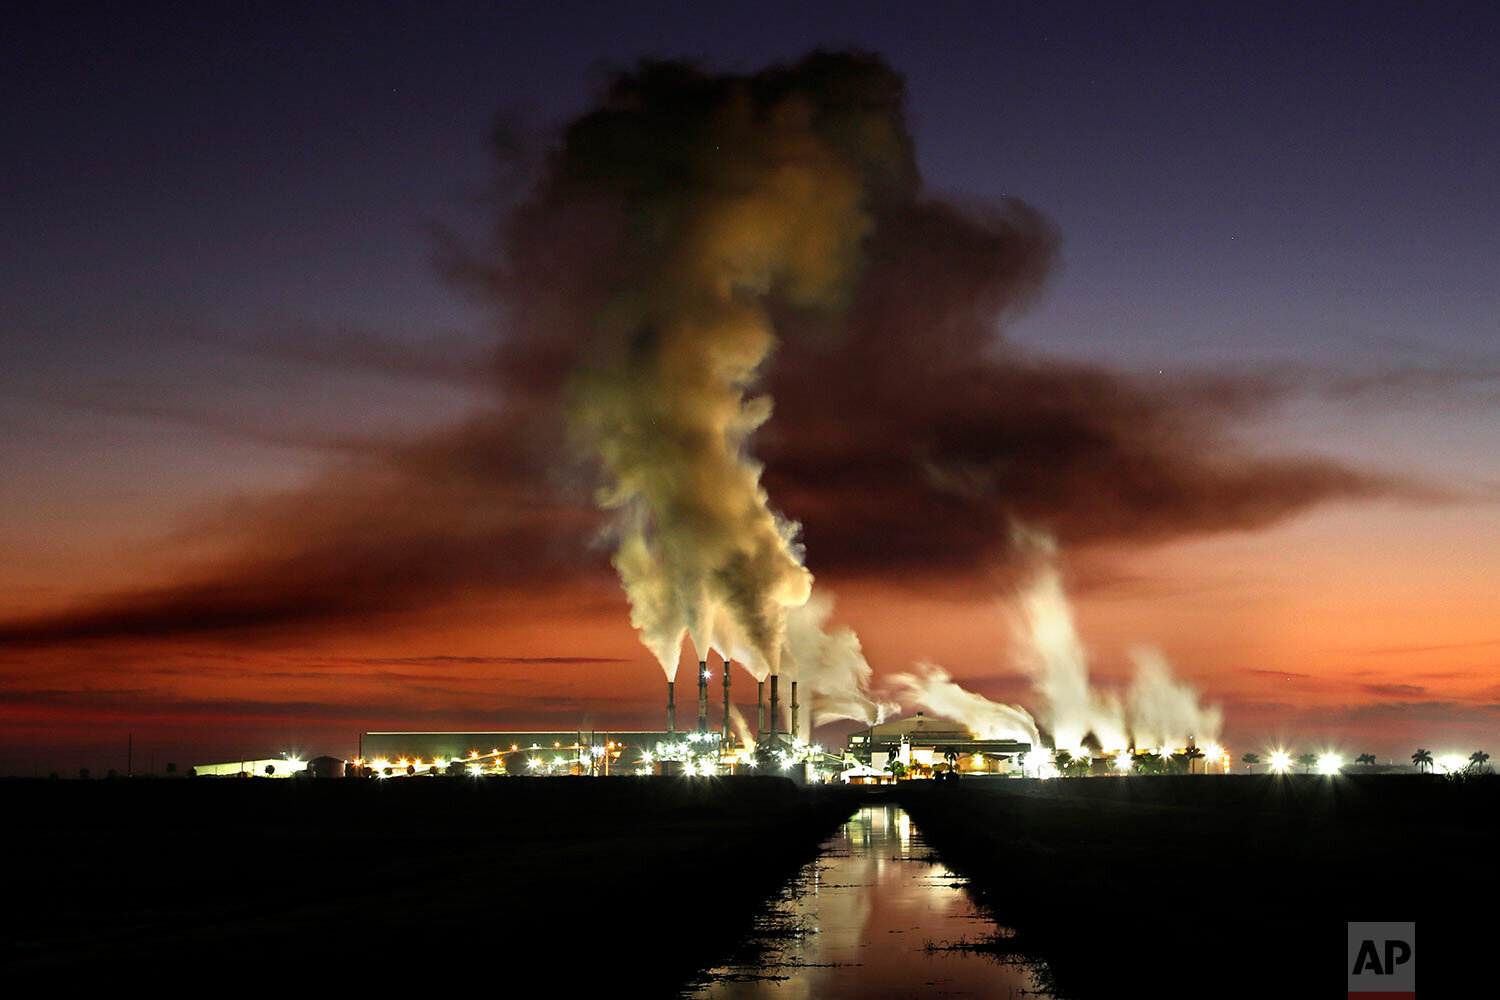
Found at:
<point>920,746</point>
<point>727,749</point>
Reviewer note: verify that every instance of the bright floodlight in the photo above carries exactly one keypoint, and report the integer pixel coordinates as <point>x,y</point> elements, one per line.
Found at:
<point>1329,763</point>
<point>1281,761</point>
<point>535,763</point>
<point>1451,762</point>
<point>1122,761</point>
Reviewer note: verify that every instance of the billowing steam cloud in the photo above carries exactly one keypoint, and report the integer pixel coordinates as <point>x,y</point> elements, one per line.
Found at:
<point>933,688</point>
<point>1051,650</point>
<point>1157,710</point>
<point>1163,711</point>
<point>729,191</point>
<point>830,666</point>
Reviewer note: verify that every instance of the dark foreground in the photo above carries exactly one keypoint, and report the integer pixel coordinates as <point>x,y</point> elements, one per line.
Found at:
<point>518,885</point>
<point>1225,886</point>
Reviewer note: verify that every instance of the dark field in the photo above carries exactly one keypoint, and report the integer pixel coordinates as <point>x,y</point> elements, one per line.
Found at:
<point>1200,886</point>
<point>1191,886</point>
<point>516,886</point>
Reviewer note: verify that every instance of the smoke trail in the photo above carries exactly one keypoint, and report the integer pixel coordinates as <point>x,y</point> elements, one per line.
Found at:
<point>1051,650</point>
<point>830,668</point>
<point>733,190</point>
<point>741,727</point>
<point>1164,711</point>
<point>1158,710</point>
<point>934,689</point>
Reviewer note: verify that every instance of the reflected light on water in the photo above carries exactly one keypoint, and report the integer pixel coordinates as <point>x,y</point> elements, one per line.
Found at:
<point>859,922</point>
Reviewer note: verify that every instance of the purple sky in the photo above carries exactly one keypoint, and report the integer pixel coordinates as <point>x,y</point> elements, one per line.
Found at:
<point>192,194</point>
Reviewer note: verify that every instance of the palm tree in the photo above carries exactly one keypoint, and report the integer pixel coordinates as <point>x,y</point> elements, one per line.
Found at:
<point>1422,759</point>
<point>1250,759</point>
<point>1307,760</point>
<point>1146,762</point>
<point>1365,758</point>
<point>1192,754</point>
<point>1477,760</point>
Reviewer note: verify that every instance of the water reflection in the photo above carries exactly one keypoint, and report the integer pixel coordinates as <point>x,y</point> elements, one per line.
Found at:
<point>870,919</point>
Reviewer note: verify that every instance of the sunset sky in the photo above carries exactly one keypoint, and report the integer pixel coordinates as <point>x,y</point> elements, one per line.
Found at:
<point>248,400</point>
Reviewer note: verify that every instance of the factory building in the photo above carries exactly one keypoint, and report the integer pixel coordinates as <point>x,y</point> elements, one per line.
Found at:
<point>276,767</point>
<point>272,767</point>
<point>923,744</point>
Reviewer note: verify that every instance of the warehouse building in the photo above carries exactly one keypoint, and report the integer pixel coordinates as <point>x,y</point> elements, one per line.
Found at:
<point>923,744</point>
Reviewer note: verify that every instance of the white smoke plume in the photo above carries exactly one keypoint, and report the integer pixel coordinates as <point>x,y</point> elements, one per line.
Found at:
<point>741,727</point>
<point>1163,710</point>
<point>1052,652</point>
<point>934,689</point>
<point>1158,709</point>
<point>830,668</point>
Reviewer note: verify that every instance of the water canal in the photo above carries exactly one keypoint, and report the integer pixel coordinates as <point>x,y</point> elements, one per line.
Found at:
<point>875,917</point>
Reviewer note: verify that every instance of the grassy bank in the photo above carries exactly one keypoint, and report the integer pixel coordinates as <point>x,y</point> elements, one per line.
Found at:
<point>628,884</point>
<point>1207,886</point>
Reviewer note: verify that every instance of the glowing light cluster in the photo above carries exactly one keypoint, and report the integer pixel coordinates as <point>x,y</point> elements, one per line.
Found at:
<point>1452,762</point>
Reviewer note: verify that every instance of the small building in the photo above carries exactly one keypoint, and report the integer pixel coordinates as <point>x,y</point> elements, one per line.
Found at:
<point>326,767</point>
<point>923,744</point>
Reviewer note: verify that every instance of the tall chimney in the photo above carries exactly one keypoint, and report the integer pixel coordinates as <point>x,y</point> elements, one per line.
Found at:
<point>725,735</point>
<point>794,711</point>
<point>702,696</point>
<point>760,708</point>
<point>671,711</point>
<point>775,701</point>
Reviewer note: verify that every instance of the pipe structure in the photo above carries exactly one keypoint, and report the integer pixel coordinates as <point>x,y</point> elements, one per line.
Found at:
<point>702,696</point>
<point>775,702</point>
<point>725,735</point>
<point>794,711</point>
<point>671,710</point>
<point>760,708</point>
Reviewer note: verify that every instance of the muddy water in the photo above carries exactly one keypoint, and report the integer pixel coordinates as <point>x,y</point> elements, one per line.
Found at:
<point>873,918</point>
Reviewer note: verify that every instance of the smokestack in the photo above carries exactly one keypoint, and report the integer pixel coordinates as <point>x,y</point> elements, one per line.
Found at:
<point>725,735</point>
<point>760,708</point>
<point>702,696</point>
<point>774,703</point>
<point>671,710</point>
<point>794,711</point>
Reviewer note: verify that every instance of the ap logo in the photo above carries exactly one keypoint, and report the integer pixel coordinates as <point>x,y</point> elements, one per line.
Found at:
<point>1382,961</point>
